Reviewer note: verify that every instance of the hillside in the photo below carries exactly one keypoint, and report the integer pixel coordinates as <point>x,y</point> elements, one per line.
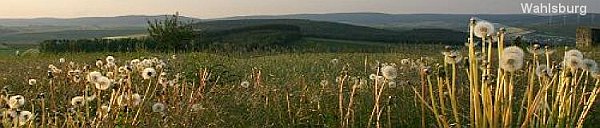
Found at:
<point>331,30</point>
<point>448,21</point>
<point>119,21</point>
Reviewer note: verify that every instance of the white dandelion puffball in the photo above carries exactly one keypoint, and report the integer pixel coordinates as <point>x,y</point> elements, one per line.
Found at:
<point>483,28</point>
<point>103,83</point>
<point>573,62</point>
<point>110,59</point>
<point>452,57</point>
<point>32,81</point>
<point>405,61</point>
<point>389,72</point>
<point>158,107</point>
<point>574,53</point>
<point>92,77</point>
<point>543,71</point>
<point>78,101</point>
<point>136,99</point>
<point>514,50</point>
<point>25,117</point>
<point>512,59</point>
<point>16,101</point>
<point>590,65</point>
<point>148,73</point>
<point>99,63</point>
<point>61,60</point>
<point>372,76</point>
<point>245,84</point>
<point>334,61</point>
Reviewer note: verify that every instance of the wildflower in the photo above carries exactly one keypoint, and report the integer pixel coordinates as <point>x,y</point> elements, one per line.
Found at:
<point>76,78</point>
<point>99,63</point>
<point>125,100</point>
<point>536,50</point>
<point>16,101</point>
<point>405,61</point>
<point>158,107</point>
<point>573,62</point>
<point>483,28</point>
<point>148,73</point>
<point>110,59</point>
<point>136,99</point>
<point>452,57</point>
<point>389,72</point>
<point>543,71</point>
<point>372,76</point>
<point>94,76</point>
<point>245,84</point>
<point>78,101</point>
<point>32,81</point>
<point>589,65</point>
<point>512,59</point>
<point>24,117</point>
<point>334,61</point>
<point>110,74</point>
<point>574,53</point>
<point>103,83</point>
<point>61,60</point>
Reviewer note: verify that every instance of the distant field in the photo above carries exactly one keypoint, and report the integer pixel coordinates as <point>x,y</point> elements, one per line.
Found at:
<point>32,38</point>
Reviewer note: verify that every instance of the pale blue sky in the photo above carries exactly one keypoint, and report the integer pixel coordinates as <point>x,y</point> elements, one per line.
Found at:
<point>225,8</point>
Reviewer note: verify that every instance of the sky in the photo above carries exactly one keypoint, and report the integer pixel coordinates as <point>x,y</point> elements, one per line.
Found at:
<point>227,8</point>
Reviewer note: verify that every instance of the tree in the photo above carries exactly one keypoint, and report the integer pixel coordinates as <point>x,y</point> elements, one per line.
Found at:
<point>170,33</point>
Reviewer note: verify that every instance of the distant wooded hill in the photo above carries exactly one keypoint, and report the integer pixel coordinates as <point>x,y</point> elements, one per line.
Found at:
<point>332,30</point>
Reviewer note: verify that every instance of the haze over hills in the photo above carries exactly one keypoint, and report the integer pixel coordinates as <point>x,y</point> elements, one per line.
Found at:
<point>561,27</point>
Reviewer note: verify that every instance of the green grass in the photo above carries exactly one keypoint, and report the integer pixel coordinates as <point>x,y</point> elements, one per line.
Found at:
<point>287,78</point>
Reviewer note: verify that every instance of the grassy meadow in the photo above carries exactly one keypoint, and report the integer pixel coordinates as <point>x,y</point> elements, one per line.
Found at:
<point>310,89</point>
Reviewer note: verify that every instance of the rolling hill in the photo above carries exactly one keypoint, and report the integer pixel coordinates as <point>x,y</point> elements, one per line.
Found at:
<point>332,30</point>
<point>562,25</point>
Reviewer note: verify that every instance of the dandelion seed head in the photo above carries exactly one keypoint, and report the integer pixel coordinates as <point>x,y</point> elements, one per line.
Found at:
<point>334,61</point>
<point>589,65</point>
<point>245,84</point>
<point>158,107</point>
<point>514,51</point>
<point>103,83</point>
<point>372,76</point>
<point>78,101</point>
<point>16,101</point>
<point>483,28</point>
<point>389,72</point>
<point>452,57</point>
<point>92,77</point>
<point>574,53</point>
<point>573,62</point>
<point>148,73</point>
<point>405,61</point>
<point>32,82</point>
<point>99,63</point>
<point>61,60</point>
<point>25,117</point>
<point>136,99</point>
<point>110,59</point>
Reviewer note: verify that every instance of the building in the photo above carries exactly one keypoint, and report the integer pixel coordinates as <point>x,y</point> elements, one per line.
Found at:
<point>588,36</point>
